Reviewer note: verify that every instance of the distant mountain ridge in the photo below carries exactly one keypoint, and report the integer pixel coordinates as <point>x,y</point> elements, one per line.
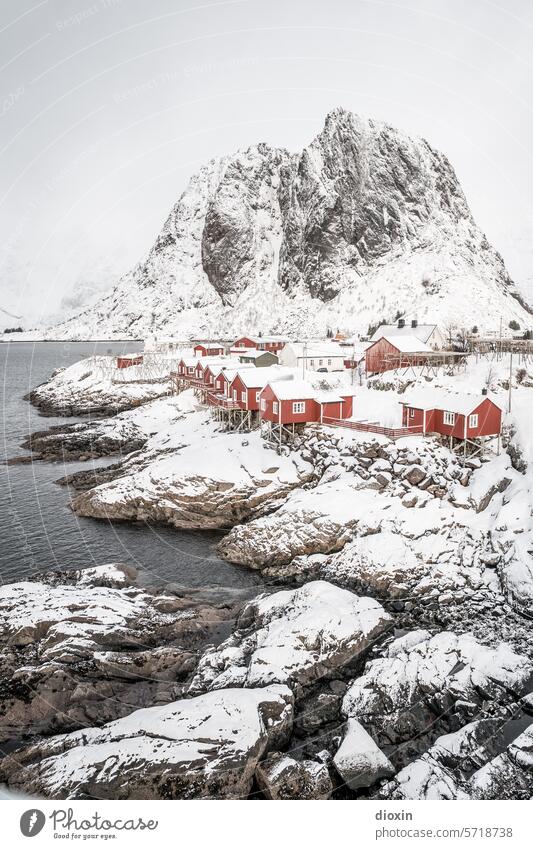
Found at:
<point>364,224</point>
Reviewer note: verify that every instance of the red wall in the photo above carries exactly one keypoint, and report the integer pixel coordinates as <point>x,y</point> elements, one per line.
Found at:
<point>205,351</point>
<point>311,412</point>
<point>126,362</point>
<point>489,421</point>
<point>243,342</point>
<point>375,357</point>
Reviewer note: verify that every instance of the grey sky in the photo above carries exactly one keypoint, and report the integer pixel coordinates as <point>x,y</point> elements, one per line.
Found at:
<point>109,106</point>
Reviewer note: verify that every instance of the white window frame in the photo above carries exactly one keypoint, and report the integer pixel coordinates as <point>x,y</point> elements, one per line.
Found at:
<point>235,395</point>
<point>243,397</point>
<point>190,369</point>
<point>329,362</point>
<point>311,362</point>
<point>263,405</point>
<point>298,407</point>
<point>321,362</point>
<point>411,412</point>
<point>257,398</point>
<point>448,418</point>
<point>473,420</point>
<point>275,407</point>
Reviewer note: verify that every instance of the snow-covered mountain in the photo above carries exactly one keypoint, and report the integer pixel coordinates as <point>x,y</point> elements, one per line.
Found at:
<point>365,223</point>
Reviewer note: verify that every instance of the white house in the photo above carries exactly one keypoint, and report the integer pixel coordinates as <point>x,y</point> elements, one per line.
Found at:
<point>313,356</point>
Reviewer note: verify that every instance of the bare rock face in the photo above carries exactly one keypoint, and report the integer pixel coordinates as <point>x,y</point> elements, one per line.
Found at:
<point>364,220</point>
<point>201,748</point>
<point>282,777</point>
<point>295,637</point>
<point>80,648</point>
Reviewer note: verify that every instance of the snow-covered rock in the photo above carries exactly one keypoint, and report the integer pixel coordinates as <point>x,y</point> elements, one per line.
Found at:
<point>191,475</point>
<point>359,761</point>
<point>205,747</point>
<point>364,221</point>
<point>78,648</point>
<point>295,637</point>
<point>280,776</point>
<point>405,694</point>
<point>89,386</point>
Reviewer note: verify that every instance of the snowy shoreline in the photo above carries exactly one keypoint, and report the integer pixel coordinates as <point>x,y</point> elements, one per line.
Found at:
<point>392,569</point>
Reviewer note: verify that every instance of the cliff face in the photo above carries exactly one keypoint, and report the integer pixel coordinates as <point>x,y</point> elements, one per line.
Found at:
<point>364,222</point>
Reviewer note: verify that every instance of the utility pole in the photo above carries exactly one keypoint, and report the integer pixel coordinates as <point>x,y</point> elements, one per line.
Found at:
<point>353,361</point>
<point>510,378</point>
<point>304,359</point>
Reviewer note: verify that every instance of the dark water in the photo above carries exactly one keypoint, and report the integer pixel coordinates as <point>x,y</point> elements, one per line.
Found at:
<point>39,532</point>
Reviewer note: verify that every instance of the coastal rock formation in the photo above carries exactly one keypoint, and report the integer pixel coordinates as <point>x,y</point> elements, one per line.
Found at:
<point>295,637</point>
<point>362,222</point>
<point>196,477</point>
<point>82,647</point>
<point>425,685</point>
<point>89,387</point>
<point>358,760</point>
<point>201,748</point>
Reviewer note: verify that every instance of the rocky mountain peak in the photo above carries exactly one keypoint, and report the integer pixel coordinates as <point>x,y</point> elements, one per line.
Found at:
<point>364,222</point>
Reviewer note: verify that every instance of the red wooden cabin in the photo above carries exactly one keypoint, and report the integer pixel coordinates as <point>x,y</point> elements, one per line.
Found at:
<point>262,343</point>
<point>247,385</point>
<point>208,350</point>
<point>186,367</point>
<point>127,360</point>
<point>457,416</point>
<point>289,402</point>
<point>395,352</point>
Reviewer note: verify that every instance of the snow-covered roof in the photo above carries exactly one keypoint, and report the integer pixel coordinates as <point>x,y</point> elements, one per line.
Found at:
<point>421,331</point>
<point>327,398</point>
<point>437,399</point>
<point>285,390</point>
<point>256,378</point>
<point>254,353</point>
<point>260,339</point>
<point>407,344</point>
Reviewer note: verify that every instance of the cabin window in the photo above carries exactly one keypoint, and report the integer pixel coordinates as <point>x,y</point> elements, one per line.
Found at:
<point>263,404</point>
<point>473,420</point>
<point>311,362</point>
<point>411,413</point>
<point>257,394</point>
<point>243,397</point>
<point>449,418</point>
<point>329,362</point>
<point>321,362</point>
<point>190,369</point>
<point>298,406</point>
<point>234,394</point>
<point>275,407</point>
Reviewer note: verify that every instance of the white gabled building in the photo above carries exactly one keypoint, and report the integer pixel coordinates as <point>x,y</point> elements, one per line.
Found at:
<point>314,356</point>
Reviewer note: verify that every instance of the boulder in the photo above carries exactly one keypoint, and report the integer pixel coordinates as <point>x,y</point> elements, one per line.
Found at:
<point>359,761</point>
<point>201,748</point>
<point>295,637</point>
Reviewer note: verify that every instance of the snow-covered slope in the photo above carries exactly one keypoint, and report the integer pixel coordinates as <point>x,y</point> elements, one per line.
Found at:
<point>363,223</point>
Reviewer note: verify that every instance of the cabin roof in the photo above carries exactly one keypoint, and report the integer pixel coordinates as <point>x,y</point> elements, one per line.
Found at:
<point>450,401</point>
<point>421,331</point>
<point>406,344</point>
<point>287,390</point>
<point>256,378</point>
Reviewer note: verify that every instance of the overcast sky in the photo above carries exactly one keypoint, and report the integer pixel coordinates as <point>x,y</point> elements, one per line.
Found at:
<point>109,106</point>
